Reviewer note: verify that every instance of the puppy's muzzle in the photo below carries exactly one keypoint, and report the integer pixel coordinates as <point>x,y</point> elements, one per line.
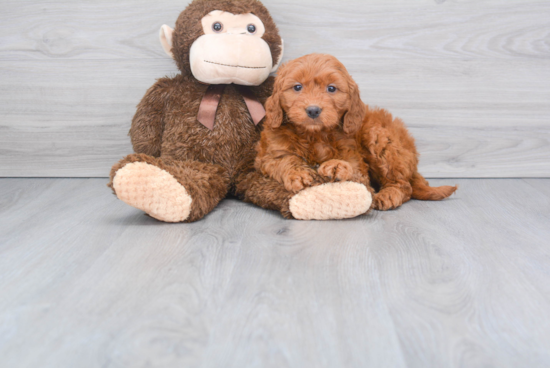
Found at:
<point>313,111</point>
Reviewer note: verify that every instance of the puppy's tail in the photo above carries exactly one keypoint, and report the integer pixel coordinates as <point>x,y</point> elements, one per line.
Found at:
<point>423,191</point>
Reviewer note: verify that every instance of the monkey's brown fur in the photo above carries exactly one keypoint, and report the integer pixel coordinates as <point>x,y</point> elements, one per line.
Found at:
<point>209,164</point>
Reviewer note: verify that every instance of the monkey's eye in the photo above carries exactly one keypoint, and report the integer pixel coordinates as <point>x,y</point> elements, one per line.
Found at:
<point>298,87</point>
<point>331,89</point>
<point>217,27</point>
<point>251,28</point>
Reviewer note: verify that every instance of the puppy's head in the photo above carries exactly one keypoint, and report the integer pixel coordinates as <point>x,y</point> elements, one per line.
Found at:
<point>315,92</point>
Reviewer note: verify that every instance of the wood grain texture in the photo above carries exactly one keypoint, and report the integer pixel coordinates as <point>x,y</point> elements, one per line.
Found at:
<point>87,281</point>
<point>469,78</point>
<point>101,29</point>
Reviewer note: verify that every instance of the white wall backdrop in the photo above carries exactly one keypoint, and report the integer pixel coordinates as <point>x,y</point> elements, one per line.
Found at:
<point>470,78</point>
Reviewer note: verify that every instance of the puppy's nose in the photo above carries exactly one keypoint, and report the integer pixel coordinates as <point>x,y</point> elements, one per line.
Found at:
<point>313,111</point>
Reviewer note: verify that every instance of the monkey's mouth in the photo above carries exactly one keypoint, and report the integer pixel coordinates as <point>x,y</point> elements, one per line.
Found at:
<point>235,66</point>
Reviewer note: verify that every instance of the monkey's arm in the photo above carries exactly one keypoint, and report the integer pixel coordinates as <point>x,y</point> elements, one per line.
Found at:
<point>147,124</point>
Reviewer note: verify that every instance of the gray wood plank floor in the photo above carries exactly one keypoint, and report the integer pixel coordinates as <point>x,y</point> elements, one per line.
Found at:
<point>86,281</point>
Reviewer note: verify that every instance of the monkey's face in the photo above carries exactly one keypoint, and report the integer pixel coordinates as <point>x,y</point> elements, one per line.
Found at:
<point>231,50</point>
<point>223,42</point>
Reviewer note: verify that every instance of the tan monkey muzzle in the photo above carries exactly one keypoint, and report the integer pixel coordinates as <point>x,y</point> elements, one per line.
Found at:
<point>231,58</point>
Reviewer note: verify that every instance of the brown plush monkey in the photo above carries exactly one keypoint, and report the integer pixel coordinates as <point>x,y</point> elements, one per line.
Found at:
<point>194,134</point>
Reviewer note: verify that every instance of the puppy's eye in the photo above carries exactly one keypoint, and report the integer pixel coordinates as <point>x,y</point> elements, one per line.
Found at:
<point>331,89</point>
<point>251,28</point>
<point>217,27</point>
<point>298,87</point>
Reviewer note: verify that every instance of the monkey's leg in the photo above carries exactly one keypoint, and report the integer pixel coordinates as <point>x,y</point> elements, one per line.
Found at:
<point>169,190</point>
<point>323,202</point>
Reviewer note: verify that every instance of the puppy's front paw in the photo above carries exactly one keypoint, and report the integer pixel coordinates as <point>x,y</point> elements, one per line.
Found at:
<point>297,180</point>
<point>336,170</point>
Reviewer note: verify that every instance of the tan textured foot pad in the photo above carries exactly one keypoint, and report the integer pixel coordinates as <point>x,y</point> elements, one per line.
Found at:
<point>331,201</point>
<point>152,190</point>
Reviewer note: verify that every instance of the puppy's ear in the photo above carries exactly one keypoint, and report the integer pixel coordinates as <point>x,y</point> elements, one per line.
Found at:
<point>357,110</point>
<point>273,109</point>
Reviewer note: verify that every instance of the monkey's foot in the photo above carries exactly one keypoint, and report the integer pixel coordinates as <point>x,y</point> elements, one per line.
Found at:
<point>331,201</point>
<point>152,190</point>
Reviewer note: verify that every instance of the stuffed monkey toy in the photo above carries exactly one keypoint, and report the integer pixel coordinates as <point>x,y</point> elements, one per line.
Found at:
<point>194,135</point>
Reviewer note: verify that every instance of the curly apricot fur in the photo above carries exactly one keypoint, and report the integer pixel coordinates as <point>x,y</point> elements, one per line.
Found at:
<point>347,141</point>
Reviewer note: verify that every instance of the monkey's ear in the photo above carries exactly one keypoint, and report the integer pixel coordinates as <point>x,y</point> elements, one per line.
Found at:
<point>280,57</point>
<point>165,35</point>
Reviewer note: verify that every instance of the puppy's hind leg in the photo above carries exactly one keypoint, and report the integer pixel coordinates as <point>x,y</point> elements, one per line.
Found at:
<point>392,160</point>
<point>392,196</point>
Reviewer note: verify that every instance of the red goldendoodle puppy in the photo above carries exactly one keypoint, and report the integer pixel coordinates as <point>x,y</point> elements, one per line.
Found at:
<point>312,119</point>
<point>317,129</point>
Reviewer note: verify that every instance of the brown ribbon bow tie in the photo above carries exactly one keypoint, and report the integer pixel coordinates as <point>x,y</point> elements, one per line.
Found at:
<point>211,99</point>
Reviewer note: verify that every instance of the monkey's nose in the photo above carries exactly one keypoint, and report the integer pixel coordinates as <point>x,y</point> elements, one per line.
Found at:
<point>313,111</point>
